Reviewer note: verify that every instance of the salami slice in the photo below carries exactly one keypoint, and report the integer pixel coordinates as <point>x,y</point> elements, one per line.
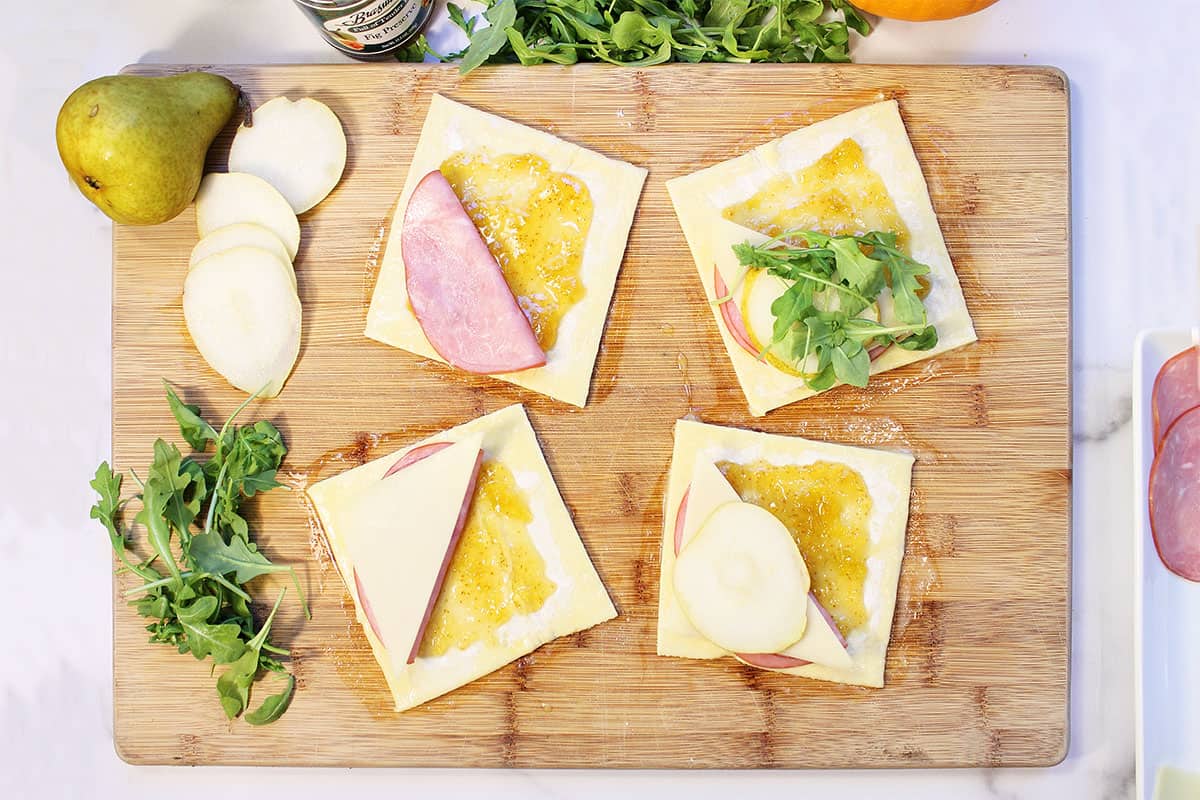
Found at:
<point>456,288</point>
<point>1175,497</point>
<point>1176,389</point>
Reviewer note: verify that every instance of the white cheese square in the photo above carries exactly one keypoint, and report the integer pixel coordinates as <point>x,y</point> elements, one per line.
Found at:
<point>888,477</point>
<point>579,599</point>
<point>701,197</point>
<point>409,516</point>
<point>614,186</point>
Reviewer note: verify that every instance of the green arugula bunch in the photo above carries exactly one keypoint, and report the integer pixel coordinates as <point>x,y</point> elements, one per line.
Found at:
<point>198,602</point>
<point>641,33</point>
<point>832,280</point>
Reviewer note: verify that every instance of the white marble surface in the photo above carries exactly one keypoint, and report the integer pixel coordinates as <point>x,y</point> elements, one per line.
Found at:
<point>1133,76</point>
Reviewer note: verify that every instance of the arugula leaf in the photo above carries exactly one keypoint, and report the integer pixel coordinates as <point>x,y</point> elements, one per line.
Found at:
<point>722,13</point>
<point>158,529</point>
<point>212,554</point>
<point>233,687</point>
<point>859,272</point>
<point>488,42</point>
<point>108,508</point>
<point>200,607</point>
<point>179,484</point>
<point>851,364</point>
<point>633,28</point>
<point>902,273</point>
<point>195,431</point>
<point>642,32</point>
<point>221,641</point>
<point>273,707</point>
<point>832,280</point>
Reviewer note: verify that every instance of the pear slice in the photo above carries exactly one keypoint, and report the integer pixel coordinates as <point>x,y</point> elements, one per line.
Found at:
<point>742,581</point>
<point>243,314</point>
<point>229,197</point>
<point>241,234</point>
<point>298,147</point>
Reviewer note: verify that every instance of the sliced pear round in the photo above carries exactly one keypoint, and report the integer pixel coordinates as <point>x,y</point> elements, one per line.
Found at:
<point>244,316</point>
<point>226,198</point>
<point>298,147</point>
<point>241,234</point>
<point>742,581</point>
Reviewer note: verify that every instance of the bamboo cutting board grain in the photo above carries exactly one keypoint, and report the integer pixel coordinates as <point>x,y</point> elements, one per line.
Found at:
<point>977,672</point>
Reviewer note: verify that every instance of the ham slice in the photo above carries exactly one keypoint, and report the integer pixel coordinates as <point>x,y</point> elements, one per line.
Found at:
<point>772,660</point>
<point>366,607</point>
<point>1176,389</point>
<point>731,314</point>
<point>415,455</point>
<point>456,288</point>
<point>680,516</point>
<point>1175,497</point>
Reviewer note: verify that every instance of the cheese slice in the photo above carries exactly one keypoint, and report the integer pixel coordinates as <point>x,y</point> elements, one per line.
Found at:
<point>1176,784</point>
<point>820,643</point>
<point>409,518</point>
<point>578,601</point>
<point>888,478</point>
<point>707,490</point>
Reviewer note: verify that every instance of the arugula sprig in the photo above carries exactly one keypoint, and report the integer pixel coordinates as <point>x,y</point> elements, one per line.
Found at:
<point>832,280</point>
<point>200,605</point>
<point>647,32</point>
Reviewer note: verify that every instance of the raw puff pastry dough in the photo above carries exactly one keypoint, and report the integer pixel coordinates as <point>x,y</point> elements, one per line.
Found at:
<point>700,199</point>
<point>579,600</point>
<point>888,476</point>
<point>615,186</point>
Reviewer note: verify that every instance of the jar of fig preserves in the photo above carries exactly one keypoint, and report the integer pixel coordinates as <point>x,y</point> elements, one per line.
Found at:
<point>368,29</point>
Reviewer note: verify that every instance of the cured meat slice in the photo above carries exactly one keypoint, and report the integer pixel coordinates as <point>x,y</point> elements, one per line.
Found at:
<point>1175,497</point>
<point>772,660</point>
<point>457,289</point>
<point>415,455</point>
<point>1176,389</point>
<point>731,314</point>
<point>680,517</point>
<point>366,607</point>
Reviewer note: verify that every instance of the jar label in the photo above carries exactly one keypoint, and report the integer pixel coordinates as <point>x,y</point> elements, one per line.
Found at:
<point>376,25</point>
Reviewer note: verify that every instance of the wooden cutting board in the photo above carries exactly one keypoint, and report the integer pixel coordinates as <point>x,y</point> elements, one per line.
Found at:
<point>977,672</point>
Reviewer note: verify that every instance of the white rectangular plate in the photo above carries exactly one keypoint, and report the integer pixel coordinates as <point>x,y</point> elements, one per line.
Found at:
<point>1166,608</point>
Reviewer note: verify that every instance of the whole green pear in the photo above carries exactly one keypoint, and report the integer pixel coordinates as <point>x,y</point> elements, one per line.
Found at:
<point>135,145</point>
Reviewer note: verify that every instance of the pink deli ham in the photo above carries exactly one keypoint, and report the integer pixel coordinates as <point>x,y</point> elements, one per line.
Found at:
<point>1176,389</point>
<point>456,288</point>
<point>731,314</point>
<point>416,454</point>
<point>1175,497</point>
